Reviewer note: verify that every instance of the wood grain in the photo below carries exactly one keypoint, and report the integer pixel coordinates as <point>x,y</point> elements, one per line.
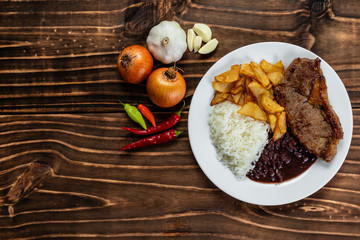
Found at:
<point>59,92</point>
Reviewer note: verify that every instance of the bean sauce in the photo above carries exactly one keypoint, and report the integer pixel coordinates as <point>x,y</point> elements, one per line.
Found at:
<point>281,160</point>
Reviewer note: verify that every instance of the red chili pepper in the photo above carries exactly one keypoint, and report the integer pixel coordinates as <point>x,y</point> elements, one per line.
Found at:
<point>164,125</point>
<point>156,139</point>
<point>147,113</point>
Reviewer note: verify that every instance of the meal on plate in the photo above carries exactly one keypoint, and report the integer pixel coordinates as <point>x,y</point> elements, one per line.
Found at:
<point>270,124</point>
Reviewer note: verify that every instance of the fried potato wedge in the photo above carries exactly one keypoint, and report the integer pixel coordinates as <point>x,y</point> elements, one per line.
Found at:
<point>270,105</point>
<point>232,75</point>
<point>237,89</point>
<point>218,98</point>
<point>247,70</point>
<point>236,97</point>
<point>272,121</point>
<point>230,98</point>
<point>247,82</point>
<point>249,97</point>
<point>281,127</point>
<point>257,90</point>
<point>277,134</point>
<point>281,123</point>
<point>223,87</point>
<point>280,65</point>
<point>236,66</point>
<point>239,85</point>
<point>253,110</point>
<point>260,74</point>
<point>275,78</point>
<point>241,100</point>
<point>268,67</point>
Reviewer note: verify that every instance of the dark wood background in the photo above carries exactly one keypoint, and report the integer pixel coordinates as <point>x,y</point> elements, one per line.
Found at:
<point>59,88</point>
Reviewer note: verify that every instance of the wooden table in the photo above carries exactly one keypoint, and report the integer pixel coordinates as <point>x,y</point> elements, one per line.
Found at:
<point>59,92</point>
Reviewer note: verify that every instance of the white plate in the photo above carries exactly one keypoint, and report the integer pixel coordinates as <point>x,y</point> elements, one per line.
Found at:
<point>246,190</point>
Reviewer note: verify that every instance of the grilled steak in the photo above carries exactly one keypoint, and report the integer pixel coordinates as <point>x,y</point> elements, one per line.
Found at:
<point>310,116</point>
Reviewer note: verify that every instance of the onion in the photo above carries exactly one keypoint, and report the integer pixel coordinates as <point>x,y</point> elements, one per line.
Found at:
<point>135,64</point>
<point>166,87</point>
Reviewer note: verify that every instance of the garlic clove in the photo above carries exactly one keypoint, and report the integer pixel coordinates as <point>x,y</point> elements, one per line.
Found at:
<point>190,39</point>
<point>203,31</point>
<point>209,47</point>
<point>197,43</point>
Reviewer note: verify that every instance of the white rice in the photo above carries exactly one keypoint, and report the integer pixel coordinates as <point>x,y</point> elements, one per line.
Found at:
<point>238,139</point>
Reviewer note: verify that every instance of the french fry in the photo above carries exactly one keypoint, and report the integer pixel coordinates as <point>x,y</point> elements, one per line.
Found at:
<point>223,87</point>
<point>247,70</point>
<point>247,82</point>
<point>236,97</point>
<point>277,134</point>
<point>270,105</point>
<point>232,75</point>
<point>260,74</point>
<point>257,90</point>
<point>242,99</point>
<point>248,97</point>
<point>281,123</point>
<point>236,66</point>
<point>271,92</point>
<point>218,98</point>
<point>270,86</point>
<point>237,89</point>
<point>275,78</point>
<point>272,121</point>
<point>280,128</point>
<point>268,67</point>
<point>251,109</point>
<point>230,98</point>
<point>239,85</point>
<point>280,65</point>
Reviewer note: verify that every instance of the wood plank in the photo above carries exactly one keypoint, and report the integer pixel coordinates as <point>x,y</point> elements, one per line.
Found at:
<point>59,92</point>
<point>75,68</point>
<point>118,195</point>
<point>52,55</point>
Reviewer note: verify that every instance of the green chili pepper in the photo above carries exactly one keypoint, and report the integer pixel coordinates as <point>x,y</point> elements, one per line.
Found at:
<point>134,114</point>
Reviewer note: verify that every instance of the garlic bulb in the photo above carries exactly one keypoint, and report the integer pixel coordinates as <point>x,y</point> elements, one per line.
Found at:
<point>167,42</point>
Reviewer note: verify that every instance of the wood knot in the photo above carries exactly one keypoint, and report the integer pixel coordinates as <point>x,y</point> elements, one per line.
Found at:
<point>32,177</point>
<point>140,19</point>
<point>319,8</point>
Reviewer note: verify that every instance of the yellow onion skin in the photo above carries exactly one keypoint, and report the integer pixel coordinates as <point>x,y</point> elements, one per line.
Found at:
<point>135,64</point>
<point>166,87</point>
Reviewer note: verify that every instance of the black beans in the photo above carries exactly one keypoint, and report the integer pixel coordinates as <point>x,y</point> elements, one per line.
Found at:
<point>265,159</point>
<point>293,141</point>
<point>278,174</point>
<point>265,152</point>
<point>271,155</point>
<point>289,149</point>
<point>282,160</point>
<point>285,159</point>
<point>292,146</point>
<point>277,145</point>
<point>271,172</point>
